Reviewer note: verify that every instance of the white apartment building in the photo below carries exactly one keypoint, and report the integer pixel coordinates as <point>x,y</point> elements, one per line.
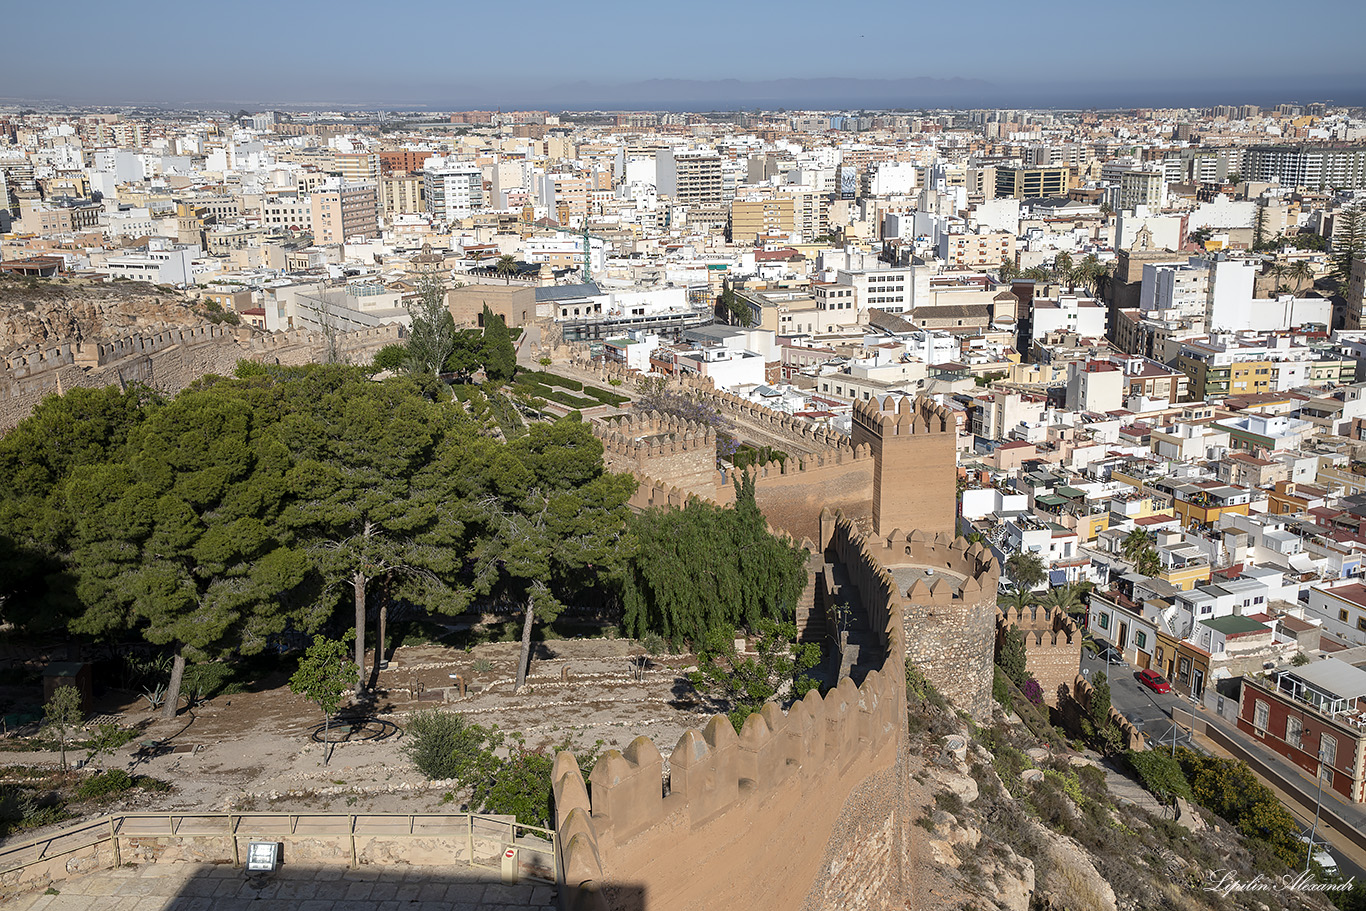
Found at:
<point>453,189</point>
<point>885,289</point>
<point>1172,292</point>
<point>164,262</point>
<point>287,213</point>
<point>1141,188</point>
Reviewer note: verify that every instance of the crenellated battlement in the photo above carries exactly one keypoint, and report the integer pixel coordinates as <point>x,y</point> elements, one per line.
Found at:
<point>713,770</point>
<point>965,570</point>
<point>651,435</point>
<point>1082,692</point>
<point>167,358</point>
<point>900,415</point>
<point>1039,622</point>
<point>641,819</point>
<point>1052,643</point>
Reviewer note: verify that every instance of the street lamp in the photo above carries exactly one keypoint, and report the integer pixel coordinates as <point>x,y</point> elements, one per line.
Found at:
<point>1318,804</point>
<point>1176,729</point>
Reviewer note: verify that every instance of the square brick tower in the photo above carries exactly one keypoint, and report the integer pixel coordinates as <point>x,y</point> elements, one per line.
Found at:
<point>914,443</point>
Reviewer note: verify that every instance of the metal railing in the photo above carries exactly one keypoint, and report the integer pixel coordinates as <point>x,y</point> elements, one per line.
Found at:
<point>484,838</point>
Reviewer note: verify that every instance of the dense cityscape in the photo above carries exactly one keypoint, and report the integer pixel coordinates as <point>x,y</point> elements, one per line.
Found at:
<point>964,506</point>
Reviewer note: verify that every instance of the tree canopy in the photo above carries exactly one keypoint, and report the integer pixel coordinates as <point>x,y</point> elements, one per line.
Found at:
<point>253,506</point>
<point>704,567</point>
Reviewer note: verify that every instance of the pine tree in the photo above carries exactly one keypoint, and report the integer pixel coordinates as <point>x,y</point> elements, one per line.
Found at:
<point>181,540</point>
<point>499,355</point>
<point>371,493</point>
<point>432,332</point>
<point>1349,241</point>
<point>552,526</point>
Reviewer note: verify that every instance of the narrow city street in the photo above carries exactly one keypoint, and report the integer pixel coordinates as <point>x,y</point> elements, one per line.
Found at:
<point>1153,714</point>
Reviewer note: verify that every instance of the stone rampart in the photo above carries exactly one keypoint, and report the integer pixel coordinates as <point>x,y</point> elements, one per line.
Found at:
<point>680,452</point>
<point>1131,737</point>
<point>1052,644</point>
<point>167,360</point>
<point>802,809</point>
<point>950,617</point>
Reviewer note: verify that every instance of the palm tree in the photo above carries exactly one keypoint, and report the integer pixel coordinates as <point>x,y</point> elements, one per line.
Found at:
<point>1008,270</point>
<point>1302,273</point>
<point>1135,543</point>
<point>506,266</point>
<point>1016,599</point>
<point>1065,598</point>
<point>1062,267</point>
<point>1276,270</point>
<point>1036,273</point>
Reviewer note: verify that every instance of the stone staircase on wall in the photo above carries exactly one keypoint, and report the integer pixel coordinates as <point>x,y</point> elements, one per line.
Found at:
<point>811,625</point>
<point>854,650</point>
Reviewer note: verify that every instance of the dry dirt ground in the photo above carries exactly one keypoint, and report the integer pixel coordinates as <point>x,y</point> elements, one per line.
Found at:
<point>253,750</point>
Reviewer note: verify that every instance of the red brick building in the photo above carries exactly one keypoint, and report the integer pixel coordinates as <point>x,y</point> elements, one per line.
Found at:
<point>1315,716</point>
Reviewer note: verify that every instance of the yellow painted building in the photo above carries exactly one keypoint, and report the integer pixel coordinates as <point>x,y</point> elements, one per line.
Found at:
<point>1185,577</point>
<point>1204,502</point>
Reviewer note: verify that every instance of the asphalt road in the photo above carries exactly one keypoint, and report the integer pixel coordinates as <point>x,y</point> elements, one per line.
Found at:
<point>1152,714</point>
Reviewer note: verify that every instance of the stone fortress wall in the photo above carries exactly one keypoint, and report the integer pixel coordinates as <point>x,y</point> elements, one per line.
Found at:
<point>167,360</point>
<point>1052,645</point>
<point>802,810</point>
<point>668,453</point>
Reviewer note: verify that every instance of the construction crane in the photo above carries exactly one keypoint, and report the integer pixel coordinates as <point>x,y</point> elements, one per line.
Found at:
<point>587,248</point>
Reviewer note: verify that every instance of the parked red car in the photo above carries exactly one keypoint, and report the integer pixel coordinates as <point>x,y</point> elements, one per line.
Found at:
<point>1154,681</point>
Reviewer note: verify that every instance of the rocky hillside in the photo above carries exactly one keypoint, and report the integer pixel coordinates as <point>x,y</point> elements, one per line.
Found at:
<point>1012,823</point>
<point>38,312</point>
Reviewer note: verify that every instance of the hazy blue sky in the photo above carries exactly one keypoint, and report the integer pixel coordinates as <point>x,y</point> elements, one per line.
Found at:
<point>506,53</point>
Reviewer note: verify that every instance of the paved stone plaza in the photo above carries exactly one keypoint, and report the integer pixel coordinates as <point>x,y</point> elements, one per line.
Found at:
<point>208,887</point>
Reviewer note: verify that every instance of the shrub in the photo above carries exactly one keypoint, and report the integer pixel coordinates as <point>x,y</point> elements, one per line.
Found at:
<point>105,785</point>
<point>654,643</point>
<point>522,787</point>
<point>1032,691</point>
<point>444,745</point>
<point>949,802</point>
<point>1159,773</point>
<point>1000,691</point>
<point>216,678</point>
<point>605,397</point>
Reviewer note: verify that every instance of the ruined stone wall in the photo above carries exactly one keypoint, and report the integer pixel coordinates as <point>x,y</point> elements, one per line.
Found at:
<point>803,809</point>
<point>168,360</point>
<point>1052,645</point>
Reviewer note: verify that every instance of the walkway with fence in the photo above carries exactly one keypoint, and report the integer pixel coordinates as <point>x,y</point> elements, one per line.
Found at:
<point>358,841</point>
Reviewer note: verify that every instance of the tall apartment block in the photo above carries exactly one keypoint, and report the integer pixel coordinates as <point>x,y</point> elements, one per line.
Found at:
<point>1031,183</point>
<point>453,189</point>
<point>1316,165</point>
<point>343,211</point>
<point>692,178</point>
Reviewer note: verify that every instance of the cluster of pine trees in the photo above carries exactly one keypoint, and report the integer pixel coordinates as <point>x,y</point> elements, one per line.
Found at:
<point>279,500</point>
